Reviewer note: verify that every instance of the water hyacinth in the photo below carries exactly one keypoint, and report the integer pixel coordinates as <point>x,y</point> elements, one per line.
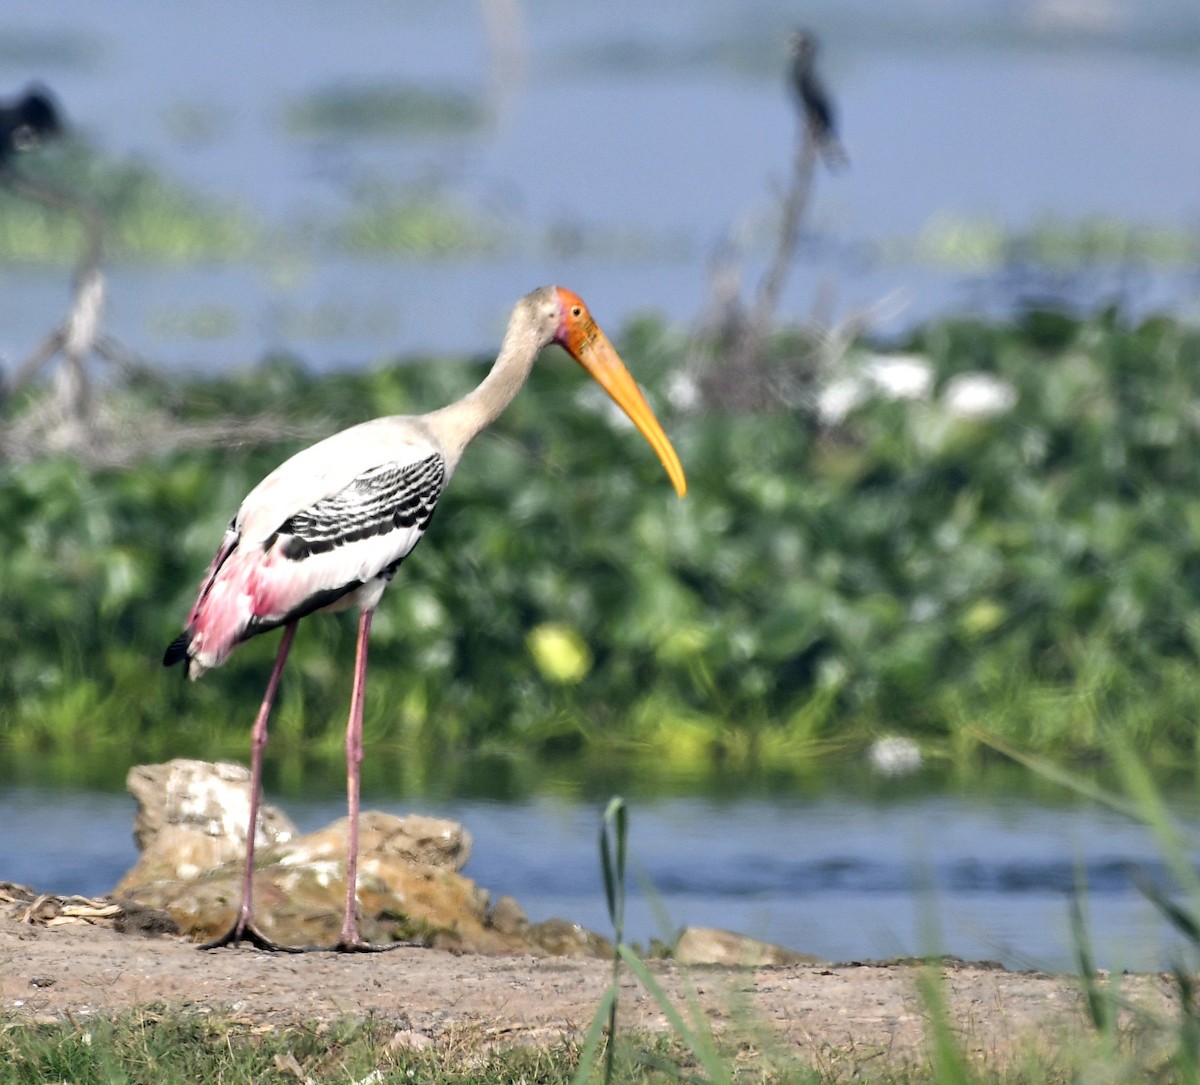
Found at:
<point>908,573</point>
<point>560,653</point>
<point>894,755</point>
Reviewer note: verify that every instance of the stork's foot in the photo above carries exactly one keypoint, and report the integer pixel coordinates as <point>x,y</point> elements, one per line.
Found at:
<point>357,945</point>
<point>246,931</point>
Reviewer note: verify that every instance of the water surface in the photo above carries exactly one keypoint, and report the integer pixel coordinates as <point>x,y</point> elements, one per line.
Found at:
<point>618,147</point>
<point>839,877</point>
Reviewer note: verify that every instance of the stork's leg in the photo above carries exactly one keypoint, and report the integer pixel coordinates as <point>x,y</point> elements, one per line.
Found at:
<point>350,940</point>
<point>244,929</point>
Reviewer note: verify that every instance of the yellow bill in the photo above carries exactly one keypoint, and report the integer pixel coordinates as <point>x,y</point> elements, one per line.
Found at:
<point>590,347</point>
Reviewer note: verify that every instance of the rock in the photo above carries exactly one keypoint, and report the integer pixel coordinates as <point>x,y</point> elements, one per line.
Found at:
<point>191,825</point>
<point>138,919</point>
<point>561,938</point>
<point>710,945</point>
<point>410,1040</point>
<point>192,816</point>
<point>508,917</point>
<point>299,897</point>
<point>416,838</point>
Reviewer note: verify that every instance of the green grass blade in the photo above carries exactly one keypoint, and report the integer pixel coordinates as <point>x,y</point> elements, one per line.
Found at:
<point>1056,774</point>
<point>612,863</point>
<point>612,860</point>
<point>1101,1011</point>
<point>1178,916</point>
<point>949,1065</point>
<point>699,1040</point>
<point>1152,811</point>
<point>591,1044</point>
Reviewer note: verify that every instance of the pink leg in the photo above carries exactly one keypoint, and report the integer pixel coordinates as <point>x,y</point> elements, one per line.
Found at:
<point>350,939</point>
<point>244,929</point>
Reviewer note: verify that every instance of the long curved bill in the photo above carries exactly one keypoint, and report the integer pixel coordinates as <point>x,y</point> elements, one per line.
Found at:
<point>590,347</point>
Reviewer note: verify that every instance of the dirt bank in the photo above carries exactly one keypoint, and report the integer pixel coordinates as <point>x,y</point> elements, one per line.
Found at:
<point>840,1012</point>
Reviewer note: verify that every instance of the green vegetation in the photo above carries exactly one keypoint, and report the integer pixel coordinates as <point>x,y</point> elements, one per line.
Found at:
<point>162,1047</point>
<point>147,218</point>
<point>1142,1046</point>
<point>1093,242</point>
<point>415,223</point>
<point>349,112</point>
<point>1032,575</point>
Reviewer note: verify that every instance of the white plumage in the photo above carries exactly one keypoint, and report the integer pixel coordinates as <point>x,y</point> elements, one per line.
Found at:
<point>328,528</point>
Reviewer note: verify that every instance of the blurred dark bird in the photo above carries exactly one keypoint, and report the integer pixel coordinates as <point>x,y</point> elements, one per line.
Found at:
<point>26,121</point>
<point>812,100</point>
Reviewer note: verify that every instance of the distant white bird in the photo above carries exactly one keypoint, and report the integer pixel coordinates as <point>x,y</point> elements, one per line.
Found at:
<point>329,528</point>
<point>978,395</point>
<point>887,376</point>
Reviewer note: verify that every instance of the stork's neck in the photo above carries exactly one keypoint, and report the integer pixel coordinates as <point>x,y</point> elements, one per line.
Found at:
<point>458,424</point>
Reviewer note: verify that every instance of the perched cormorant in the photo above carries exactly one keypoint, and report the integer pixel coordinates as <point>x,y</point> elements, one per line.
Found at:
<point>812,99</point>
<point>26,121</point>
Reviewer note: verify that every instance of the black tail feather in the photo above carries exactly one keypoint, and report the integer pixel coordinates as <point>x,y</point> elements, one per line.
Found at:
<point>177,650</point>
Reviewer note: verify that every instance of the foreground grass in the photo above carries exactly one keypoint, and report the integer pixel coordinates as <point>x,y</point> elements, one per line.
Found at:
<point>162,1047</point>
<point>158,1046</point>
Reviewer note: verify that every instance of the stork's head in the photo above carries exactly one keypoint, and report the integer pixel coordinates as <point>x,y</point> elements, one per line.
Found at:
<point>581,337</point>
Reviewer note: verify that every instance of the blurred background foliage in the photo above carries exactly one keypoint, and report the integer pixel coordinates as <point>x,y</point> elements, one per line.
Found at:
<point>148,218</point>
<point>906,567</point>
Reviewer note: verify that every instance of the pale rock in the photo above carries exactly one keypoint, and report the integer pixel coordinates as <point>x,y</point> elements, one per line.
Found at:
<point>409,885</point>
<point>562,938</point>
<point>191,825</point>
<point>212,797</point>
<point>710,945</point>
<point>192,816</point>
<point>417,838</point>
<point>410,1040</point>
<point>508,917</point>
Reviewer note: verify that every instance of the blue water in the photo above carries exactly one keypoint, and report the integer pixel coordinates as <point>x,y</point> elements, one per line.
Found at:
<point>669,124</point>
<point>838,877</point>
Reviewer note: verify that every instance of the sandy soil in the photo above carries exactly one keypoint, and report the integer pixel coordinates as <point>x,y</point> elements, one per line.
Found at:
<point>840,1015</point>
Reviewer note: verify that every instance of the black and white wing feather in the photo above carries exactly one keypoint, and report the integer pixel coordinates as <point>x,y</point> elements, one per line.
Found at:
<point>389,502</point>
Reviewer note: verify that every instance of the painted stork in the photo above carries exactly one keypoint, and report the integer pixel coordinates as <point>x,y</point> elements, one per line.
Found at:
<point>816,108</point>
<point>328,529</point>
